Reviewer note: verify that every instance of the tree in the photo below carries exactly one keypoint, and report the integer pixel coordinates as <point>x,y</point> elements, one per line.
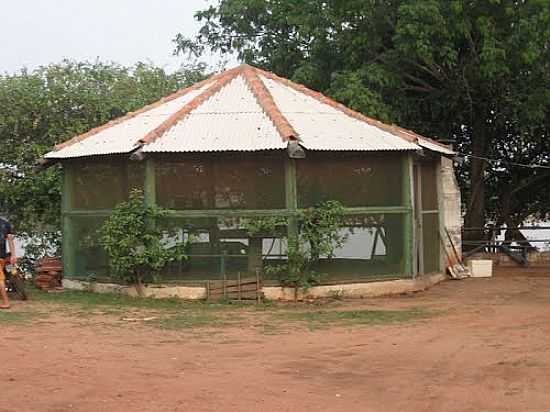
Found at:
<point>476,72</point>
<point>137,246</point>
<point>53,103</point>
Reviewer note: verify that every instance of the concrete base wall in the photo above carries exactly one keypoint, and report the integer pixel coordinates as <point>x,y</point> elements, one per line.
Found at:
<point>156,291</point>
<point>357,290</point>
<point>354,290</point>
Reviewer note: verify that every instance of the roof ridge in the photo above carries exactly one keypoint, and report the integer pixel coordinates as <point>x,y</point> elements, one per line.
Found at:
<point>178,93</point>
<point>393,129</point>
<point>267,103</point>
<point>221,80</point>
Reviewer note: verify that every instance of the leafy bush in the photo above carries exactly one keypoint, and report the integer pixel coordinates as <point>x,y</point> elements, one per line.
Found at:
<point>137,244</point>
<point>319,235</point>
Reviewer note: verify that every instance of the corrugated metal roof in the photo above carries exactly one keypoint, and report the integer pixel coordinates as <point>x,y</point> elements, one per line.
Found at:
<point>243,109</point>
<point>322,127</point>
<point>122,137</point>
<point>427,144</point>
<point>230,120</point>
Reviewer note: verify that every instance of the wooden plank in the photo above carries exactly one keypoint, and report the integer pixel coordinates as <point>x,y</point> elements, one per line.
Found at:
<point>229,282</point>
<point>235,295</point>
<point>235,288</point>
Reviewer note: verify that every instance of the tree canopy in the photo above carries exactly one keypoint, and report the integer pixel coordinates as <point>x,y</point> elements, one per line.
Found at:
<point>53,103</point>
<point>474,72</point>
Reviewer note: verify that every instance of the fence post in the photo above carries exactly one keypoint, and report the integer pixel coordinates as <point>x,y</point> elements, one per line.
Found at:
<point>239,284</point>
<point>258,292</point>
<point>224,275</point>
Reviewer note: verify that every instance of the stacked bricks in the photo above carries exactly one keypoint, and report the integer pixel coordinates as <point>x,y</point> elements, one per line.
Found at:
<point>48,273</point>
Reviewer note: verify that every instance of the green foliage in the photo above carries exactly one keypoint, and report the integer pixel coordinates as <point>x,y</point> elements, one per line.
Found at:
<point>52,104</point>
<point>319,235</point>
<point>321,228</point>
<point>137,245</point>
<point>38,246</point>
<point>265,225</point>
<point>476,72</point>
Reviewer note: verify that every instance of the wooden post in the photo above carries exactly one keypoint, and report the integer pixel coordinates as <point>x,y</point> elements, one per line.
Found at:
<point>150,187</point>
<point>291,204</point>
<point>255,250</point>
<point>291,196</point>
<point>258,291</point>
<point>239,284</point>
<point>68,241</point>
<point>224,275</point>
<point>407,196</point>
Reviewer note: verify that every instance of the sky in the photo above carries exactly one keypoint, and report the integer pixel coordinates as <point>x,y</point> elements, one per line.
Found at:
<point>39,32</point>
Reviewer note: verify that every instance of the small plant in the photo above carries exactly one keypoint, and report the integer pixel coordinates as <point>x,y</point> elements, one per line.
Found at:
<point>137,246</point>
<point>337,294</point>
<point>319,235</point>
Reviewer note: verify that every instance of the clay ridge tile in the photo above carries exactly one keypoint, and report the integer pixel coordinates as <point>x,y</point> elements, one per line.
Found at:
<point>220,81</point>
<point>265,100</point>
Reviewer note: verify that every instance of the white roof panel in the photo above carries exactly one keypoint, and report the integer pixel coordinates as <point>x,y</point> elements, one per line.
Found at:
<point>123,137</point>
<point>322,127</point>
<point>230,120</point>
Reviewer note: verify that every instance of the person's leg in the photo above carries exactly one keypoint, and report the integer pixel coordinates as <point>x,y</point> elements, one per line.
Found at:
<point>3,294</point>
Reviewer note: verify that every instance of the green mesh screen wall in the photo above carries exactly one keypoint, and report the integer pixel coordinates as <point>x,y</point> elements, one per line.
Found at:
<point>221,183</point>
<point>354,180</point>
<point>220,247</point>
<point>89,257</point>
<point>374,248</point>
<point>102,184</point>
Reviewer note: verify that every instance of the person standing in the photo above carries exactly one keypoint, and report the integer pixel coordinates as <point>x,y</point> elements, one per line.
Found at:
<point>6,239</point>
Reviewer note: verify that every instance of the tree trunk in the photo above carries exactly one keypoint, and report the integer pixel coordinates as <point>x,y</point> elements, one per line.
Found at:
<point>139,286</point>
<point>475,211</point>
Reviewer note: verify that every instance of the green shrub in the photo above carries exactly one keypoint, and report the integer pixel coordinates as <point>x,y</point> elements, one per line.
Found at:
<point>137,244</point>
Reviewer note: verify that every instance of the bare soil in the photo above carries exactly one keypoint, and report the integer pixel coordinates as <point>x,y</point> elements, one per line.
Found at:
<point>486,348</point>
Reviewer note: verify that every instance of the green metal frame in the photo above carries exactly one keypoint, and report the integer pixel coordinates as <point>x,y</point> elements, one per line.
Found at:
<point>406,209</point>
<point>408,220</point>
<point>68,249</point>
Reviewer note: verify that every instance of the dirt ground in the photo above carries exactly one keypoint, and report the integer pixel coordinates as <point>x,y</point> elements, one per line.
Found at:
<point>486,348</point>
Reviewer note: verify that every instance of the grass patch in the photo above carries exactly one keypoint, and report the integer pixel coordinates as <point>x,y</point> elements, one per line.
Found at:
<point>188,320</point>
<point>115,300</point>
<point>7,316</point>
<point>168,313</point>
<point>176,314</point>
<point>354,317</point>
